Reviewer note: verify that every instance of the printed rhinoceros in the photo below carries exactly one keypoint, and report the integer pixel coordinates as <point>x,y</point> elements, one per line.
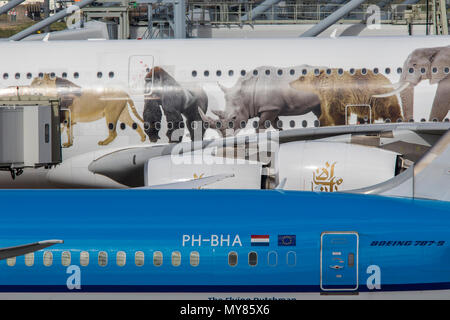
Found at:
<point>263,93</point>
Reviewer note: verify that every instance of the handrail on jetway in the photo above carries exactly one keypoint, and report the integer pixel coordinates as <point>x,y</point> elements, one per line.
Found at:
<point>48,21</point>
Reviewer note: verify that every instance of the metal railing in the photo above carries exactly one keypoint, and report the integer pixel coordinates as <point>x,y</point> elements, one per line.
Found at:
<point>225,13</point>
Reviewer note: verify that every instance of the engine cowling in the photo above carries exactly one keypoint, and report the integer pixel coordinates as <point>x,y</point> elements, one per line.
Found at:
<point>331,167</point>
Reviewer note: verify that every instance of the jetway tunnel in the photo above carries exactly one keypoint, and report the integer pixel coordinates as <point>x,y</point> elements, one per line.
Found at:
<point>30,134</point>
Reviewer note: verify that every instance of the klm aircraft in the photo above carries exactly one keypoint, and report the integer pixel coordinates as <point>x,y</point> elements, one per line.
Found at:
<point>213,244</point>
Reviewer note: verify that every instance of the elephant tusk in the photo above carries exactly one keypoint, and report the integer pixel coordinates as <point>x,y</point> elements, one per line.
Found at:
<point>394,92</point>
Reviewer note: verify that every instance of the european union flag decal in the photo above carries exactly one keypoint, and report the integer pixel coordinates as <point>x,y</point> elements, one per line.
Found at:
<point>286,240</point>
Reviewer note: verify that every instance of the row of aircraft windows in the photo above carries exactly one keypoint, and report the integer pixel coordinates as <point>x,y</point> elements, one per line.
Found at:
<point>340,71</point>
<point>64,75</point>
<point>139,258</point>
<point>280,72</point>
<point>255,124</point>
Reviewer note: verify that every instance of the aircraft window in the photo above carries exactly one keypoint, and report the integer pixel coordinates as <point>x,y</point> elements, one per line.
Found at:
<point>64,75</point>
<point>139,258</point>
<point>206,73</point>
<point>110,126</point>
<point>363,71</point>
<point>29,75</point>
<point>316,72</point>
<point>84,258</point>
<point>76,75</point>
<point>252,258</point>
<point>11,262</point>
<point>352,71</point>
<point>267,72</point>
<point>280,72</point>
<point>176,258</point>
<point>267,124</point>
<point>232,259</point>
<point>255,124</point>
<point>304,72</point>
<point>292,123</point>
<point>52,75</point>
<point>194,73</point>
<point>48,258</point>
<point>328,71</point>
<point>218,73</point>
<point>399,70</point>
<point>243,73</point>
<point>99,75</point>
<point>388,120</point>
<point>316,123</point>
<point>194,258</point>
<point>351,260</point>
<point>423,70</point>
<point>29,259</point>
<point>279,124</point>
<point>157,258</point>
<point>411,70</point>
<point>121,258</point>
<point>41,75</point>
<point>376,71</point>
<point>111,74</point>
<point>272,258</point>
<point>5,76</point>
<point>123,126</point>
<point>291,259</point>
<point>423,120</point>
<point>17,76</point>
<point>435,70</point>
<point>340,71</point>
<point>292,72</point>
<point>219,124</point>
<point>387,70</point>
<point>446,70</point>
<point>243,124</point>
<point>255,72</point>
<point>230,73</point>
<point>65,258</point>
<point>157,125</point>
<point>194,125</point>
<point>304,123</point>
<point>446,120</point>
<point>102,258</point>
<point>170,125</point>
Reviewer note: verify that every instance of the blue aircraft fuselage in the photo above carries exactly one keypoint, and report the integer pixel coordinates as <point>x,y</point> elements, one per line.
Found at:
<point>223,241</point>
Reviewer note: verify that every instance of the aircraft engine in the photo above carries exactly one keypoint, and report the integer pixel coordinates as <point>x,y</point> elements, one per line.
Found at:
<point>331,167</point>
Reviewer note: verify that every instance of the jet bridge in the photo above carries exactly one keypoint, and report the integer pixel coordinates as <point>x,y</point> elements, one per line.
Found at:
<point>30,134</point>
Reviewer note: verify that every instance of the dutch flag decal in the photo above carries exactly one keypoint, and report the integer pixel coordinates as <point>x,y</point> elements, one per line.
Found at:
<point>260,240</point>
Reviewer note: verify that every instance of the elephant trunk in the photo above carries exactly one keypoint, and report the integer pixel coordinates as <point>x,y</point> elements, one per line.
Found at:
<point>407,98</point>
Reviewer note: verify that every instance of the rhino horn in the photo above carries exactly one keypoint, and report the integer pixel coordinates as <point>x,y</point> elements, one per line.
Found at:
<point>205,118</point>
<point>220,114</point>
<point>222,87</point>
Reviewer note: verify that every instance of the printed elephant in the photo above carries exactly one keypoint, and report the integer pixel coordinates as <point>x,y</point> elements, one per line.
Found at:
<point>266,94</point>
<point>425,64</point>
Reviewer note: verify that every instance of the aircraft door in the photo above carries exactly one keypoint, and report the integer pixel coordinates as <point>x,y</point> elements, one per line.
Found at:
<point>339,261</point>
<point>138,68</point>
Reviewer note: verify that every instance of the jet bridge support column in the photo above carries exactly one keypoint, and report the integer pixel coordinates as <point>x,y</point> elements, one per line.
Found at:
<point>332,19</point>
<point>10,5</point>
<point>263,7</point>
<point>46,22</point>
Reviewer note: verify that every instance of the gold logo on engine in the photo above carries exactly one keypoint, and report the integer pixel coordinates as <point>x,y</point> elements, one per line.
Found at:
<point>325,180</point>
<point>198,177</point>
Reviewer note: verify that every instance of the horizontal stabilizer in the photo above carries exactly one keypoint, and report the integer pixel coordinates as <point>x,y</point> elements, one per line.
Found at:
<point>192,184</point>
<point>11,252</point>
